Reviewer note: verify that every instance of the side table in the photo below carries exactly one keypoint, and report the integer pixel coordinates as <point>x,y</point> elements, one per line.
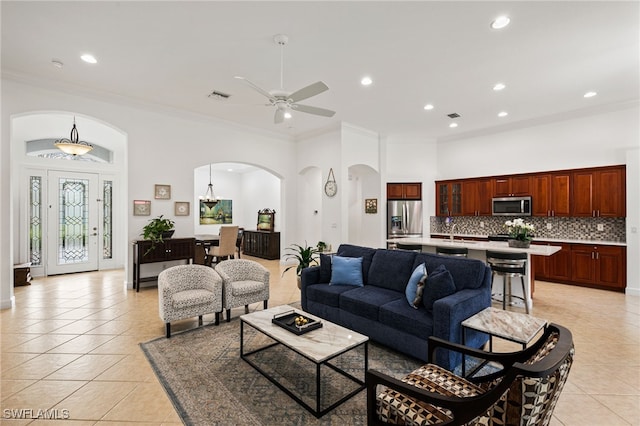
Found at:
<point>508,325</point>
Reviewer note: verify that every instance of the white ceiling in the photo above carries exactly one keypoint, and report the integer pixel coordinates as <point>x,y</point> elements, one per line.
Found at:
<point>173,54</point>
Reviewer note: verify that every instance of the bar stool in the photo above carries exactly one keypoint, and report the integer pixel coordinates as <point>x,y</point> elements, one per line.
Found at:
<point>452,251</point>
<point>412,247</point>
<point>509,265</point>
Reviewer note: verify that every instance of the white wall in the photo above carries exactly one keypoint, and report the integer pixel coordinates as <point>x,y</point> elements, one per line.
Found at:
<point>588,141</point>
<point>633,222</point>
<point>323,152</point>
<point>412,158</point>
<point>164,146</point>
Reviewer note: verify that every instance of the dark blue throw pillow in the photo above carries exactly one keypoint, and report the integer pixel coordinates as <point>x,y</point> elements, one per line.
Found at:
<point>439,284</point>
<point>325,268</point>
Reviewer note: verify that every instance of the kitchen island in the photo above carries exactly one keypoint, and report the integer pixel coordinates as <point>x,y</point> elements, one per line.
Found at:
<point>478,250</point>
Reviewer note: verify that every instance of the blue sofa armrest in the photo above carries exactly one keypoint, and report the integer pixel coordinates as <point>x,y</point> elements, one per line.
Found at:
<point>448,314</point>
<point>310,275</point>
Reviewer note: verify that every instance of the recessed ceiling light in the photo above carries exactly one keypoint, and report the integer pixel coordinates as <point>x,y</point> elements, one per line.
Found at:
<point>90,59</point>
<point>366,81</point>
<point>428,107</point>
<point>500,22</point>
<point>590,94</point>
<point>499,86</point>
<point>453,125</point>
<point>503,114</point>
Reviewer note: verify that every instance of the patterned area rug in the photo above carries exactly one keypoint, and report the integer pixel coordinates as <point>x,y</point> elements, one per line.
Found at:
<point>209,384</point>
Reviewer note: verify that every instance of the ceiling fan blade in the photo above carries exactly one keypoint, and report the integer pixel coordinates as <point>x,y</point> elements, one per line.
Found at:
<point>313,110</point>
<point>257,88</point>
<point>309,91</point>
<point>279,117</point>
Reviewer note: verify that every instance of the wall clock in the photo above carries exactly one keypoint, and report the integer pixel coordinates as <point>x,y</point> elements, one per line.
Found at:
<point>331,187</point>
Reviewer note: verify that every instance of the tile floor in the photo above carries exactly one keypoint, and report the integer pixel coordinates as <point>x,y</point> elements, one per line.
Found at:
<point>70,346</point>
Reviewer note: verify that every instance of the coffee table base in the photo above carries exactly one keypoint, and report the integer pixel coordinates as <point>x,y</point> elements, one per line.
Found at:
<point>317,411</point>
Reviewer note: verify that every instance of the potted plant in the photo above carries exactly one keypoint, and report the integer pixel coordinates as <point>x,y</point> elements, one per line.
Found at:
<point>520,233</point>
<point>157,230</point>
<point>322,246</point>
<point>304,257</point>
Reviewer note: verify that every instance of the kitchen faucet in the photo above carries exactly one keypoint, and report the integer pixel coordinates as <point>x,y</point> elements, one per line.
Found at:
<point>451,228</point>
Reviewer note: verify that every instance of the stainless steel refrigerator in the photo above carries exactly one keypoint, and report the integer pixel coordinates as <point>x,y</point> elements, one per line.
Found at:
<point>404,219</point>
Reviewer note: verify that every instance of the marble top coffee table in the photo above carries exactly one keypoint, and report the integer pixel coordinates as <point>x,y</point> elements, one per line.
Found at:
<point>320,346</point>
<point>512,326</point>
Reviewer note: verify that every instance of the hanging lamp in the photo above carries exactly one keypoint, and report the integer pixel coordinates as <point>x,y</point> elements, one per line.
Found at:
<point>73,146</point>
<point>209,198</point>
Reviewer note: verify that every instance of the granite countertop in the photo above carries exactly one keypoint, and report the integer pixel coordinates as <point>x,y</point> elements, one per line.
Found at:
<point>541,240</point>
<point>499,246</point>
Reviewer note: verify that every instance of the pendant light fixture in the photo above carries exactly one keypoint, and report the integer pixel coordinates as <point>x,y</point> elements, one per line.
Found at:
<point>209,198</point>
<point>73,146</point>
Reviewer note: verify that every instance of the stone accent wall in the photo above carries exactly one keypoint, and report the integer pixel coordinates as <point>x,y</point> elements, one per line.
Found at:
<point>570,228</point>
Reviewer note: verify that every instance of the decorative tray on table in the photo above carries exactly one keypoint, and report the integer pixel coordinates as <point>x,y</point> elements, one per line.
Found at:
<point>295,322</point>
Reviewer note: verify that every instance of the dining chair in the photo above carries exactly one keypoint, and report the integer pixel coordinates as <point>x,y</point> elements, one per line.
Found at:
<point>227,246</point>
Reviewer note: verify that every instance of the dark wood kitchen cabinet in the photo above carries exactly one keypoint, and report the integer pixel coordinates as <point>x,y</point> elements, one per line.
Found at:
<point>599,266</point>
<point>170,249</point>
<point>404,191</point>
<point>556,267</point>
<point>599,192</point>
<point>448,198</point>
<point>551,194</point>
<point>511,186</point>
<point>476,197</point>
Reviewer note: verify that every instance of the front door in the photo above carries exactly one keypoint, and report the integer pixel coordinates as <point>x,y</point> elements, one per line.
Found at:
<point>73,219</point>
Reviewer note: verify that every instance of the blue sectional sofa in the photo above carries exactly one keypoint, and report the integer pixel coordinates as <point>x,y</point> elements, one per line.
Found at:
<point>380,309</point>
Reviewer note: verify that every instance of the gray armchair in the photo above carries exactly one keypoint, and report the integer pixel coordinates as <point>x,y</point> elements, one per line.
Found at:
<point>244,282</point>
<point>187,291</point>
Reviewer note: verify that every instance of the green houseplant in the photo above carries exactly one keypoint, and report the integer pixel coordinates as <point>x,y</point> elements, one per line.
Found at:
<point>303,256</point>
<point>157,229</point>
<point>322,246</point>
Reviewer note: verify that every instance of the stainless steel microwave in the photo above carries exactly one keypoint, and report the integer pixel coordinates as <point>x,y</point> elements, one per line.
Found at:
<point>511,206</point>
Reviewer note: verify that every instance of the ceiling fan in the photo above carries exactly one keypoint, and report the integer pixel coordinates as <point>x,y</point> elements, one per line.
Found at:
<point>284,101</point>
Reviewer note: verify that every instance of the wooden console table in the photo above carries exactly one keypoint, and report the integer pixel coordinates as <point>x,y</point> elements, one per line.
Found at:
<point>263,244</point>
<point>168,250</point>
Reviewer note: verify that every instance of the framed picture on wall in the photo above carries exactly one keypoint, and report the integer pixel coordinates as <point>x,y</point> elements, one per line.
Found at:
<point>220,213</point>
<point>162,192</point>
<point>181,208</point>
<point>141,207</point>
<point>371,205</point>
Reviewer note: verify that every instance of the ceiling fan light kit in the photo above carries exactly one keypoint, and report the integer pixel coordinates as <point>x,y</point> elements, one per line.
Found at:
<point>286,102</point>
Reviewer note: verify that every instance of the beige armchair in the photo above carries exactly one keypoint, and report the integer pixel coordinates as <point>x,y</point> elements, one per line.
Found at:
<point>186,291</point>
<point>244,282</point>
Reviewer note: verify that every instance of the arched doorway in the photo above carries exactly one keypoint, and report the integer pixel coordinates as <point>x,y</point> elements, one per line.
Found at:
<point>71,211</point>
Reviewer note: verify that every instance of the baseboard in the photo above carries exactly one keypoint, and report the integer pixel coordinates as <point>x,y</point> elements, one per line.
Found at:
<point>632,291</point>
<point>6,304</point>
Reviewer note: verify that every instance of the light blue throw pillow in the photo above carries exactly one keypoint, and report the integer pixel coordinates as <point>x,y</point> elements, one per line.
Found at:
<point>419,274</point>
<point>346,271</point>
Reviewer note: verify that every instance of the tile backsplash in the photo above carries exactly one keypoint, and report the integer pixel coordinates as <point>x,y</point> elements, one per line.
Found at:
<point>570,228</point>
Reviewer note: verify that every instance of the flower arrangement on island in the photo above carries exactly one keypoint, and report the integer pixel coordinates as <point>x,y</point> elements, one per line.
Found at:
<point>520,230</point>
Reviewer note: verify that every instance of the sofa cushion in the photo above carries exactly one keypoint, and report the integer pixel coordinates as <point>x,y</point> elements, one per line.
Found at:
<point>466,273</point>
<point>366,253</point>
<point>415,286</point>
<point>327,294</point>
<point>325,268</point>
<point>366,301</point>
<point>439,284</point>
<point>391,269</point>
<point>399,315</point>
<point>346,271</point>
<point>189,298</point>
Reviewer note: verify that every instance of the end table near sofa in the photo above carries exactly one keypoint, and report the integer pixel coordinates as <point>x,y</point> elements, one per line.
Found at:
<point>508,325</point>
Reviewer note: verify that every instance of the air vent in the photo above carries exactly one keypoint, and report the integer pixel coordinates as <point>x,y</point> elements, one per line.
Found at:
<point>219,95</point>
<point>453,115</point>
